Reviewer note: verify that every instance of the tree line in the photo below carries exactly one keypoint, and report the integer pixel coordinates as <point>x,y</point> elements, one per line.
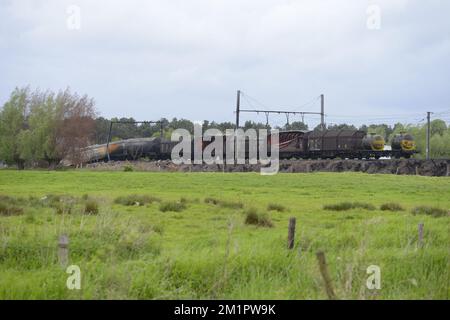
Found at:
<point>41,128</point>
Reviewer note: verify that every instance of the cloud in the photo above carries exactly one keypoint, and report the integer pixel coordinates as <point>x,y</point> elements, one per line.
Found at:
<point>178,58</point>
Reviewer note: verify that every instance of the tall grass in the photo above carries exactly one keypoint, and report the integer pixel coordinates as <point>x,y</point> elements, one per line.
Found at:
<point>252,216</point>
<point>224,203</point>
<point>141,252</point>
<point>431,211</point>
<point>344,206</point>
<point>136,200</point>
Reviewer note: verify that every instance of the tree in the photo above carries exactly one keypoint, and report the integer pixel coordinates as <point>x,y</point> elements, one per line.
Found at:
<point>101,130</point>
<point>12,122</point>
<point>38,141</point>
<point>296,125</point>
<point>75,125</point>
<point>438,127</point>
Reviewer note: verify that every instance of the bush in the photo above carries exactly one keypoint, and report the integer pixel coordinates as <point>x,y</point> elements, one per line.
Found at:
<point>136,200</point>
<point>128,168</point>
<point>344,206</point>
<point>431,211</point>
<point>91,207</point>
<point>172,206</point>
<point>261,220</point>
<point>391,206</point>
<point>276,207</point>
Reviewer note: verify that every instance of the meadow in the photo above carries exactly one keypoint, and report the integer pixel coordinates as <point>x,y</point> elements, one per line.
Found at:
<point>142,235</point>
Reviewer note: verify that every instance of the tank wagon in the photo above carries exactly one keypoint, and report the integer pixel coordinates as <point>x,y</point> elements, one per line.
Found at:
<point>327,144</point>
<point>342,144</point>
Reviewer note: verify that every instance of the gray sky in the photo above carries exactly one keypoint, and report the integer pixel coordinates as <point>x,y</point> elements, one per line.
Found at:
<point>178,58</point>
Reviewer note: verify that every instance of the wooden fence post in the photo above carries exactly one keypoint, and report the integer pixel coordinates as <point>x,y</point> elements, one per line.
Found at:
<point>417,171</point>
<point>325,275</point>
<point>420,238</point>
<point>63,250</point>
<point>291,232</point>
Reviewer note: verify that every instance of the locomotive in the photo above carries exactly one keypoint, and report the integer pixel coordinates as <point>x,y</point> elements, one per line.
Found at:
<point>327,144</point>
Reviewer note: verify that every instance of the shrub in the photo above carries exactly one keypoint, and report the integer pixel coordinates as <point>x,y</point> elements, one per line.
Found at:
<point>431,211</point>
<point>343,206</point>
<point>136,200</point>
<point>391,206</point>
<point>128,168</point>
<point>276,207</point>
<point>172,206</point>
<point>258,219</point>
<point>91,207</point>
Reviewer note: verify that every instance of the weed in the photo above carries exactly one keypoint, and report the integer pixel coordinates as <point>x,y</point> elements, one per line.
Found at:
<point>431,211</point>
<point>128,168</point>
<point>276,207</point>
<point>391,206</point>
<point>344,206</point>
<point>224,203</point>
<point>136,200</point>
<point>172,206</point>
<point>6,210</point>
<point>91,207</point>
<point>252,216</point>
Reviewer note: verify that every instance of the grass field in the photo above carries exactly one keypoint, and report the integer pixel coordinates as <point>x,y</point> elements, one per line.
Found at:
<point>206,250</point>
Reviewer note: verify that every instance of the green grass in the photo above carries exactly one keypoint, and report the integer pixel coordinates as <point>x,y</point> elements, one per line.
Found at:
<point>207,250</point>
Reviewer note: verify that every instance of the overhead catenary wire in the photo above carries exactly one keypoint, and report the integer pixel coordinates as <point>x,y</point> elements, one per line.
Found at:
<point>265,110</point>
<point>259,107</point>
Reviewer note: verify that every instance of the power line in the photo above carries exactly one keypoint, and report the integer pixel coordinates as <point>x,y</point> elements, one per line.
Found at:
<point>267,112</point>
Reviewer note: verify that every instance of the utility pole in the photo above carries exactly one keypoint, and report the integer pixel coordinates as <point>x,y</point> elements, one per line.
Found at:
<point>428,135</point>
<point>109,139</point>
<point>238,106</point>
<point>322,111</point>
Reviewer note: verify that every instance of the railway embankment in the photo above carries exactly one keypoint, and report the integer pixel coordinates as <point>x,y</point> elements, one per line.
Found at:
<point>440,168</point>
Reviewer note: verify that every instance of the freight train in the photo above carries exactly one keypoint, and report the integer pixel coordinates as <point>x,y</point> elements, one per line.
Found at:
<point>327,144</point>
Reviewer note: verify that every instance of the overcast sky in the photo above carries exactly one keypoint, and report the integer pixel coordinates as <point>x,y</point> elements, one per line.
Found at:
<point>179,58</point>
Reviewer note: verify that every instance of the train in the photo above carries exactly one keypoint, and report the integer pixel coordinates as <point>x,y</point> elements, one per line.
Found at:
<point>326,144</point>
